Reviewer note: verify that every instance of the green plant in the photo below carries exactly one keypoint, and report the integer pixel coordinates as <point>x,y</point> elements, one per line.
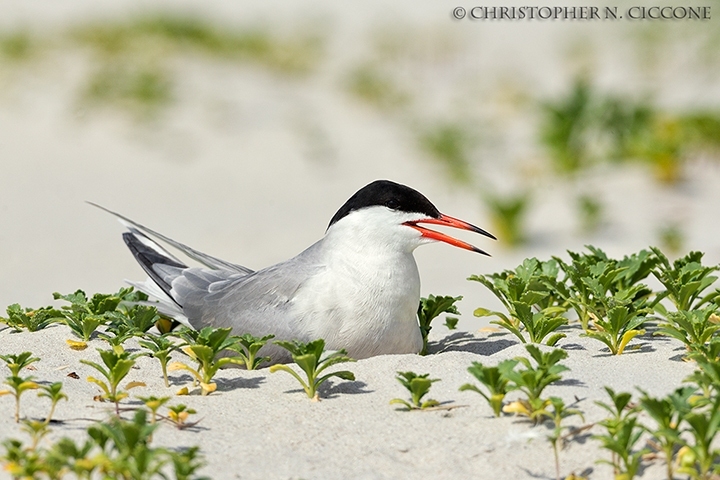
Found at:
<point>153,404</point>
<point>450,143</point>
<point>622,434</point>
<point>621,326</point>
<point>84,316</point>
<point>311,358</point>
<point>117,449</point>
<point>125,448</point>
<point>451,323</point>
<point>17,362</point>
<point>507,214</point>
<point>694,328</point>
<point>667,413</point>
<point>17,46</point>
<point>531,286</point>
<point>160,347</point>
<point>594,283</point>
<point>55,394</point>
<point>590,211</point>
<point>685,281</point>
<point>699,459</point>
<point>532,380</point>
<point>418,386</point>
<point>206,347</point>
<point>117,364</point>
<point>178,415</point>
<point>248,346</point>
<point>559,413</point>
<point>139,318</point>
<point>369,83</point>
<point>429,309</point>
<point>32,320</point>
<point>18,385</point>
<point>495,380</point>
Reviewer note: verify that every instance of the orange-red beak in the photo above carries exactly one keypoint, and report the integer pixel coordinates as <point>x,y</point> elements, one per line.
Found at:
<point>449,221</point>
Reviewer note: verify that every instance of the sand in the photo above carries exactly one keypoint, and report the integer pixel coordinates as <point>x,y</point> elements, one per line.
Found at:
<point>232,168</point>
<point>259,425</point>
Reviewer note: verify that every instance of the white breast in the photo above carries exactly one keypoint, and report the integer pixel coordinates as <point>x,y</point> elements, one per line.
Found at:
<point>366,298</point>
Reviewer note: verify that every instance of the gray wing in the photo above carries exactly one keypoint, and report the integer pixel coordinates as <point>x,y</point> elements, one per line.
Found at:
<point>259,303</point>
<point>203,258</point>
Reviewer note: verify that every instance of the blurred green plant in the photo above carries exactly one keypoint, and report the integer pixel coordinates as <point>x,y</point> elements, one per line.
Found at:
<point>54,393</point>
<point>671,238</point>
<point>370,84</point>
<point>507,214</point>
<point>450,144</point>
<point>622,433</point>
<point>590,211</point>
<point>559,413</point>
<point>587,126</point>
<point>17,46</point>
<point>667,412</point>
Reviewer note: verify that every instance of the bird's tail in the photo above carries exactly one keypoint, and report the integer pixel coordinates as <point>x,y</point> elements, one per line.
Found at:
<point>162,268</point>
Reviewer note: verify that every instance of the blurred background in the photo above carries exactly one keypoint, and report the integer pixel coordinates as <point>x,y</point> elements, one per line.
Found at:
<point>239,128</point>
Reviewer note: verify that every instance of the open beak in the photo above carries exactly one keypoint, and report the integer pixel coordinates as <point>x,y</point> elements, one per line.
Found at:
<point>449,221</point>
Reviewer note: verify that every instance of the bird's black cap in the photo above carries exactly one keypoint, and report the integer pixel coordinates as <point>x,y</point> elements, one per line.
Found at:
<point>387,194</point>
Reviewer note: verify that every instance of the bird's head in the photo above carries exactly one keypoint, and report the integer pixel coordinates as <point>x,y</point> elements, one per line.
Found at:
<point>386,212</point>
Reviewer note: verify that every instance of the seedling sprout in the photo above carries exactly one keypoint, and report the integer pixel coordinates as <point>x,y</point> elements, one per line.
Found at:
<point>312,359</point>
<point>418,386</point>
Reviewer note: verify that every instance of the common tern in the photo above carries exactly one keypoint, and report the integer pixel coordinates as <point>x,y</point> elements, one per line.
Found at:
<point>358,287</point>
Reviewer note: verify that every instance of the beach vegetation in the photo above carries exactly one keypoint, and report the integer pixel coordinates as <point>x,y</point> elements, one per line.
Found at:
<point>209,348</point>
<point>508,213</point>
<point>622,435</point>
<point>495,381</point>
<point>30,319</point>
<point>533,379</point>
<point>429,309</point>
<point>694,328</point>
<point>418,385</point>
<point>557,438</point>
<point>686,281</point>
<point>116,365</point>
<point>53,392</point>
<point>530,295</point>
<point>159,347</point>
<point>18,385</point>
<point>313,361</point>
<point>248,347</point>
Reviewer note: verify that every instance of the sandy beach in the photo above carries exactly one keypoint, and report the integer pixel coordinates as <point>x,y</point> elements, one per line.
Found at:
<point>248,163</point>
<point>259,425</point>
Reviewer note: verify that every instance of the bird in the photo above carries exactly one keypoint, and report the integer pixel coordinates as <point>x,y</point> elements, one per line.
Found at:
<point>358,287</point>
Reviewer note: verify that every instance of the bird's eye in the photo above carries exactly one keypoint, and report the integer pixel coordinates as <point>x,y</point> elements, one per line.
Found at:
<point>392,204</point>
